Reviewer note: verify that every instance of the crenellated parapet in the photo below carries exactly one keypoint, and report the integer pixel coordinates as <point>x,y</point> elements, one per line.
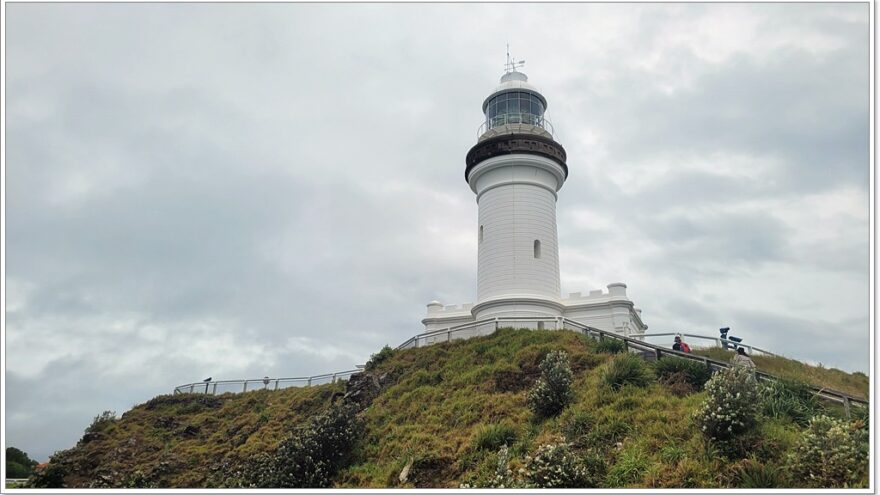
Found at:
<point>436,308</point>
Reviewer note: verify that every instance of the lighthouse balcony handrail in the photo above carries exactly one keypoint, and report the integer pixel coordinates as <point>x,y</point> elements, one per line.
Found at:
<point>515,119</point>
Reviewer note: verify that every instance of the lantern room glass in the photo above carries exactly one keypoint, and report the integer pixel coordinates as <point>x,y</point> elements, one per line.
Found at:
<point>515,107</point>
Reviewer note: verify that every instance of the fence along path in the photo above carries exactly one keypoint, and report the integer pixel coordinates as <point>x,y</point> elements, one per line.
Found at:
<point>223,386</point>
<point>489,326</point>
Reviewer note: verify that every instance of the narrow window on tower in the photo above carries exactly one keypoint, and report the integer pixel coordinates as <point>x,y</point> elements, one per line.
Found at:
<point>537,248</point>
<point>481,233</point>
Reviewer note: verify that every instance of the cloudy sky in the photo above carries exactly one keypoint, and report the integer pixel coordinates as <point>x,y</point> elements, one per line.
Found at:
<point>244,190</point>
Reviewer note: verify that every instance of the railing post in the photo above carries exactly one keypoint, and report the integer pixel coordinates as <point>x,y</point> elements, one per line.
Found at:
<point>448,335</point>
<point>276,385</point>
<point>192,388</point>
<point>496,323</point>
<point>244,387</point>
<point>659,353</point>
<point>214,389</point>
<point>846,406</point>
<point>333,379</point>
<point>309,383</point>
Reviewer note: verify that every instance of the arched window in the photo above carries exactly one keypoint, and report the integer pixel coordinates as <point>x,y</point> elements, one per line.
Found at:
<point>481,233</point>
<point>537,248</point>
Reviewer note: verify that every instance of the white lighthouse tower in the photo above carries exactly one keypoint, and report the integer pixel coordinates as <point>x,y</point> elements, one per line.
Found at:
<point>516,170</point>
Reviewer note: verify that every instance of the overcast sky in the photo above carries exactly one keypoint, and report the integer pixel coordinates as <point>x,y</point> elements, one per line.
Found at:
<point>245,190</point>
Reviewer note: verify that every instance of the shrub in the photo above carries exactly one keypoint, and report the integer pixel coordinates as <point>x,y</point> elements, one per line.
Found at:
<point>862,416</point>
<point>753,474</point>
<point>629,468</point>
<point>311,456</point>
<point>671,453</point>
<point>556,466</point>
<point>494,436</point>
<point>788,399</point>
<point>378,358</point>
<point>731,405</point>
<point>694,372</point>
<point>831,454</point>
<point>677,384</point>
<point>101,422</point>
<point>627,369</point>
<point>18,464</point>
<point>51,476</point>
<point>607,433</point>
<point>577,426</point>
<point>552,392</point>
<point>610,346</point>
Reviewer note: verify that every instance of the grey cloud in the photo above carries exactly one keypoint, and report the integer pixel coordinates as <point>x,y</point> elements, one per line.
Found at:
<point>243,177</point>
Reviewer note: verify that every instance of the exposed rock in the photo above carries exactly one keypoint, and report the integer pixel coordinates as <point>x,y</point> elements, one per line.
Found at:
<point>362,388</point>
<point>404,473</point>
<point>190,431</point>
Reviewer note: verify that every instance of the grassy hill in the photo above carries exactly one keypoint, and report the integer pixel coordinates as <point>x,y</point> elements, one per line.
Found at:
<point>438,417</point>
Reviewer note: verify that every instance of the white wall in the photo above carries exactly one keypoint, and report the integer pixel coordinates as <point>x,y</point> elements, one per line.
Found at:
<point>516,195</point>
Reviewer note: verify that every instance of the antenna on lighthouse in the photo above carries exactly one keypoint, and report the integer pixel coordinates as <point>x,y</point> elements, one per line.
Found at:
<point>511,64</point>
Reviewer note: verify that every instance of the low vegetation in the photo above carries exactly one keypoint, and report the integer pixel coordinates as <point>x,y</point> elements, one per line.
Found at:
<point>466,413</point>
<point>552,392</point>
<point>855,384</point>
<point>18,464</point>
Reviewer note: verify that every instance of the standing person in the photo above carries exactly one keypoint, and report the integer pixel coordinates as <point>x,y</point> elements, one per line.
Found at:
<point>677,345</point>
<point>680,345</point>
<point>742,359</point>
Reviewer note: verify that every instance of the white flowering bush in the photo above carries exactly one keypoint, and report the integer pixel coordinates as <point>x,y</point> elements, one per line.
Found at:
<point>556,466</point>
<point>311,456</point>
<point>552,392</point>
<point>731,405</point>
<point>503,474</point>
<point>831,454</point>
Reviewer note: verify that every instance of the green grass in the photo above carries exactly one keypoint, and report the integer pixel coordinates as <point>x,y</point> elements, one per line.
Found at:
<point>445,411</point>
<point>855,384</point>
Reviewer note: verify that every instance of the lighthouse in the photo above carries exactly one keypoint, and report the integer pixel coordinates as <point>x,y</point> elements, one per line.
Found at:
<point>516,171</point>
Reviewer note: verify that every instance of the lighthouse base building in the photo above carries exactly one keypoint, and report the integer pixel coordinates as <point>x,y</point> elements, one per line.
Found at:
<point>609,310</point>
<point>516,170</point>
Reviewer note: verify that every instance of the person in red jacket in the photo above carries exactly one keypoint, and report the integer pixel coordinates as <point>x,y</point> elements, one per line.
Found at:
<point>680,345</point>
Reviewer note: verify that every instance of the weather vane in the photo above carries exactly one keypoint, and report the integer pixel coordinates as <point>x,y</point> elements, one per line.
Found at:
<point>511,64</point>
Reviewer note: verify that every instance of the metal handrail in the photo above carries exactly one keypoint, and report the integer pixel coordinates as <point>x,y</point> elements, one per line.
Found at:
<point>211,386</point>
<point>825,393</point>
<point>718,341</point>
<point>516,119</point>
<point>633,342</point>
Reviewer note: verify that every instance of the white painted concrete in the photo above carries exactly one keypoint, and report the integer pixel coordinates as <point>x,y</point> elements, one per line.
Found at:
<point>516,197</point>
